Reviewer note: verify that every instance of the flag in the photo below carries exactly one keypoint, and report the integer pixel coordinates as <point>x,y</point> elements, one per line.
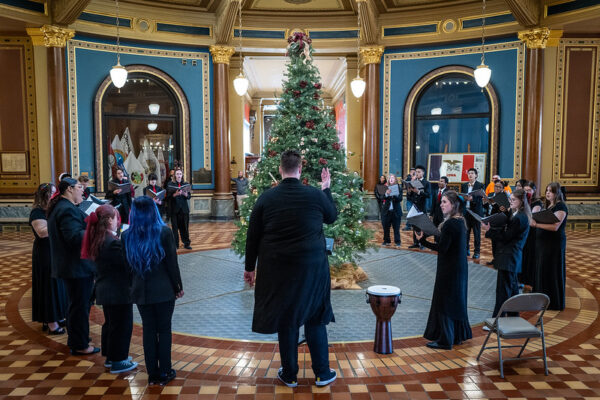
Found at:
<point>163,165</point>
<point>152,161</point>
<point>126,142</point>
<point>136,173</point>
<point>468,162</point>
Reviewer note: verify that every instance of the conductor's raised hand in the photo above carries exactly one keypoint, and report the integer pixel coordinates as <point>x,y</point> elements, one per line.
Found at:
<point>249,277</point>
<point>325,179</point>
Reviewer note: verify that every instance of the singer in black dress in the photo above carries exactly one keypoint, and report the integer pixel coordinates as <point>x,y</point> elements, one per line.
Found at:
<point>550,249</point>
<point>448,322</point>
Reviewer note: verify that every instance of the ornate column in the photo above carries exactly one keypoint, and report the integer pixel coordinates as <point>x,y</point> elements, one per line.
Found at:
<point>222,200</point>
<point>371,57</point>
<point>536,40</point>
<point>55,40</point>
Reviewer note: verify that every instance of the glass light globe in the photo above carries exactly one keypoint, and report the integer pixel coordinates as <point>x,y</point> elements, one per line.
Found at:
<point>118,75</point>
<point>152,127</point>
<point>435,128</point>
<point>482,73</point>
<point>358,86</point>
<point>240,84</point>
<point>154,108</point>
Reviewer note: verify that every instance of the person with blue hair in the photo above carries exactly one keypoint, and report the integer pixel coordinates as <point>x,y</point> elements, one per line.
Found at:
<point>151,254</point>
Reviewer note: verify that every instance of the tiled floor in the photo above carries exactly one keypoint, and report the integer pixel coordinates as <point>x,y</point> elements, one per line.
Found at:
<point>33,365</point>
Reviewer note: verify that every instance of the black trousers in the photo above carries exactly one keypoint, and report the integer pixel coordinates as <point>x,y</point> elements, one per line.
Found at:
<point>116,331</point>
<point>507,286</point>
<point>475,226</point>
<point>156,322</point>
<point>391,219</point>
<point>180,222</point>
<point>316,339</point>
<point>79,291</point>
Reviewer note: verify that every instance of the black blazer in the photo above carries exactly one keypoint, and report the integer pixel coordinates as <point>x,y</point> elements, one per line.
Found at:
<point>163,281</point>
<point>124,199</point>
<point>510,240</point>
<point>113,278</point>
<point>154,188</point>
<point>420,199</point>
<point>387,201</point>
<point>476,205</point>
<point>66,227</point>
<point>436,210</point>
<point>177,203</point>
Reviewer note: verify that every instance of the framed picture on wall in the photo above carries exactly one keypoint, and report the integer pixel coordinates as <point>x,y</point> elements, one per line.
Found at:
<point>455,166</point>
<point>14,162</point>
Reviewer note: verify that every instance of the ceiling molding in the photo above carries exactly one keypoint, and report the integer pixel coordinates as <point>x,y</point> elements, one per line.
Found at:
<point>65,12</point>
<point>526,12</point>
<point>226,20</point>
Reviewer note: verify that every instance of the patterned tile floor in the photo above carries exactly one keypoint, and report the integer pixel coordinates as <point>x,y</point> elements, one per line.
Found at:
<point>33,365</point>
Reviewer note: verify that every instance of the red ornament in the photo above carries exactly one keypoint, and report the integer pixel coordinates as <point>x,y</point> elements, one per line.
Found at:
<point>305,181</point>
<point>303,84</point>
<point>296,93</point>
<point>316,96</point>
<point>322,161</point>
<point>310,125</point>
<point>336,146</point>
<point>316,108</point>
<point>318,85</point>
<point>304,162</point>
<point>272,153</point>
<point>328,125</point>
<point>348,195</point>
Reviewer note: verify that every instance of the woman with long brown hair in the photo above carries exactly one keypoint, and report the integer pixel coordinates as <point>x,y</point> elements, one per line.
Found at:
<point>551,244</point>
<point>113,281</point>
<point>48,295</point>
<point>448,322</point>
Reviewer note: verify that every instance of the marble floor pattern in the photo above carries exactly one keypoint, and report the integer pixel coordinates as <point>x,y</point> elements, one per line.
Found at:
<point>34,365</point>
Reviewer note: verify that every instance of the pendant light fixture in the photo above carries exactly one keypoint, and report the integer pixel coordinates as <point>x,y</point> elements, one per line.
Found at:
<point>482,73</point>
<point>240,83</point>
<point>358,84</point>
<point>118,73</point>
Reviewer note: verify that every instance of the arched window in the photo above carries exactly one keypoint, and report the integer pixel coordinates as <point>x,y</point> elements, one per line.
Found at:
<point>449,113</point>
<point>147,118</point>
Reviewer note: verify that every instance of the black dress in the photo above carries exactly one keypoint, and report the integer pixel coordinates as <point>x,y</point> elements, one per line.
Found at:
<point>527,275</point>
<point>448,321</point>
<point>550,265</point>
<point>48,295</point>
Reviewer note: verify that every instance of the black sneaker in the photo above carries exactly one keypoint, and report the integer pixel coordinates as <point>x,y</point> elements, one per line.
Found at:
<point>164,379</point>
<point>476,256</point>
<point>187,246</point>
<point>327,379</point>
<point>414,246</point>
<point>385,243</point>
<point>289,383</point>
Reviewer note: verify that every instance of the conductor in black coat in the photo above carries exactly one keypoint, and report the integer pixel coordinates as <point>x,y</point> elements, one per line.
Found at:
<point>179,210</point>
<point>66,227</point>
<point>510,240</point>
<point>121,200</point>
<point>285,234</point>
<point>418,197</point>
<point>474,204</point>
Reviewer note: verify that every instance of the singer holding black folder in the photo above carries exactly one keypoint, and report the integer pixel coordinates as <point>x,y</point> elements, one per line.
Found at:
<point>179,210</point>
<point>391,211</point>
<point>448,322</point>
<point>510,240</point>
<point>551,243</point>
<point>152,178</point>
<point>475,204</point>
<point>119,199</point>
<point>418,197</point>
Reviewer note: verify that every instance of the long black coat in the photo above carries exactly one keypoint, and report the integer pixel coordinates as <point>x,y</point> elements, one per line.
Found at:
<point>177,203</point>
<point>285,234</point>
<point>420,199</point>
<point>436,210</point>
<point>475,205</point>
<point>510,240</point>
<point>121,200</point>
<point>113,279</point>
<point>66,226</point>
<point>163,281</point>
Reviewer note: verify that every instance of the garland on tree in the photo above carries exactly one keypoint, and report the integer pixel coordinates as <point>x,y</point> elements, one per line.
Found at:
<point>302,123</point>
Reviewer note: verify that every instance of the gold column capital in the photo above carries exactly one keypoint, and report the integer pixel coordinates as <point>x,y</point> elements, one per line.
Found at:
<point>540,38</point>
<point>371,55</point>
<point>50,35</point>
<point>221,54</point>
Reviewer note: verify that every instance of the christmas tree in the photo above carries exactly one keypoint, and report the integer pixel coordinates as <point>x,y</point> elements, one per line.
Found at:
<point>304,124</point>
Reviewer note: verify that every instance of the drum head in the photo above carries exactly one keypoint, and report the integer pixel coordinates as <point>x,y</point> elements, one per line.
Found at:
<point>383,290</point>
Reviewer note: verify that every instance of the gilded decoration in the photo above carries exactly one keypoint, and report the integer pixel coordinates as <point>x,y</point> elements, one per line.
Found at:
<point>453,52</point>
<point>535,38</point>
<point>55,36</point>
<point>221,54</point>
<point>371,55</point>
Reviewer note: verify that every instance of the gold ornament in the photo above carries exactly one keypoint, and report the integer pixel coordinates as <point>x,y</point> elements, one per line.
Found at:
<point>539,38</point>
<point>371,55</point>
<point>221,54</point>
<point>55,36</point>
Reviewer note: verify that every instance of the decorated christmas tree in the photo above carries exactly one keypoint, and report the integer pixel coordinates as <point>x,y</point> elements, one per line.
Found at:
<point>304,124</point>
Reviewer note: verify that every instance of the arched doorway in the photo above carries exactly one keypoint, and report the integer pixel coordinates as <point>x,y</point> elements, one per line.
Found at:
<point>447,113</point>
<point>147,118</point>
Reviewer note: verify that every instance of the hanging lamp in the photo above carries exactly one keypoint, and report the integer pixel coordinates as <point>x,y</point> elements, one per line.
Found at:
<point>358,84</point>
<point>118,73</point>
<point>240,83</point>
<point>482,73</point>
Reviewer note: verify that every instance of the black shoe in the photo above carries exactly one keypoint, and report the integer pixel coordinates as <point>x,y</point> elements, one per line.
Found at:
<point>398,244</point>
<point>80,353</point>
<point>153,380</point>
<point>407,228</point>
<point>287,382</point>
<point>327,379</point>
<point>476,256</point>
<point>385,243</point>
<point>57,331</point>
<point>44,327</point>
<point>164,379</point>
<point>490,262</point>
<point>414,246</point>
<point>187,246</point>
<point>436,345</point>
<point>62,323</point>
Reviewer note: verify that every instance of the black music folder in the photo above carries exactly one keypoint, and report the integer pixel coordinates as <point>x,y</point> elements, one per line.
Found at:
<point>495,220</point>
<point>125,187</point>
<point>422,221</point>
<point>545,217</point>
<point>501,199</point>
<point>172,187</point>
<point>160,195</point>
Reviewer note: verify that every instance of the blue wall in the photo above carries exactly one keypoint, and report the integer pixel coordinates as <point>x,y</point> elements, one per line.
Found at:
<point>405,73</point>
<point>93,66</point>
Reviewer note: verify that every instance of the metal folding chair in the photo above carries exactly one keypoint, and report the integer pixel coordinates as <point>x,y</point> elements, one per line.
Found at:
<point>517,327</point>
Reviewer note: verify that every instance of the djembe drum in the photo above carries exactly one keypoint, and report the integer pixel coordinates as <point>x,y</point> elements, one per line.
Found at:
<point>383,300</point>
